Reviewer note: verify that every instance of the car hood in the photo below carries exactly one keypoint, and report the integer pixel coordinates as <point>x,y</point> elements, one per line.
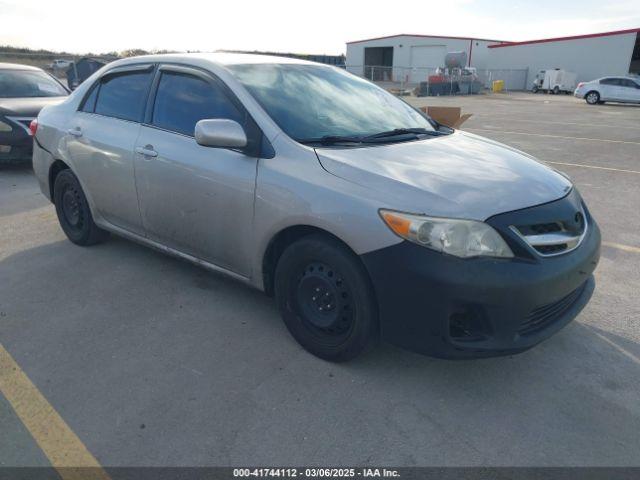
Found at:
<point>26,107</point>
<point>459,175</point>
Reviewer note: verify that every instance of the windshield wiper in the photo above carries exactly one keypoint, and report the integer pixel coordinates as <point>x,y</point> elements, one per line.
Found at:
<point>331,139</point>
<point>376,137</point>
<point>404,131</point>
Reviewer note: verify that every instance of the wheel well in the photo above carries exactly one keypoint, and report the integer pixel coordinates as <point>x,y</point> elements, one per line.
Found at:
<point>56,167</point>
<point>279,244</point>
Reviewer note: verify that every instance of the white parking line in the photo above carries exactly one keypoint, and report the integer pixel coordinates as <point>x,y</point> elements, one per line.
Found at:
<point>510,118</point>
<point>589,139</point>
<point>592,166</point>
<point>623,351</point>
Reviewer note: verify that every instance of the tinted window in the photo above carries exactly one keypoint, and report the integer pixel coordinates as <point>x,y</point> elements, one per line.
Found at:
<point>28,83</point>
<point>124,95</point>
<point>628,83</point>
<point>182,100</point>
<point>610,81</point>
<point>90,102</point>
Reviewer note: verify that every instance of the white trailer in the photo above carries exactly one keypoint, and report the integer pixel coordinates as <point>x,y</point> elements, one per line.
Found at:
<point>555,81</point>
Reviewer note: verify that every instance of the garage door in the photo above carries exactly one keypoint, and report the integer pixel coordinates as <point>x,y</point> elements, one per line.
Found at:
<point>425,59</point>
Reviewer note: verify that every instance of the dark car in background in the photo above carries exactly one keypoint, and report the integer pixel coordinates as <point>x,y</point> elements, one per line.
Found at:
<point>79,71</point>
<point>24,91</point>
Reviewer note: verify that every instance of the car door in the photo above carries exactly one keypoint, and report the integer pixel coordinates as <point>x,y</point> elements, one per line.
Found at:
<point>608,89</point>
<point>635,93</point>
<point>630,90</point>
<point>194,199</point>
<point>101,141</point>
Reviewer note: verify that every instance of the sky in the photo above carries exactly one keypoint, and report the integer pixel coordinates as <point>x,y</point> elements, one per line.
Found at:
<point>293,26</point>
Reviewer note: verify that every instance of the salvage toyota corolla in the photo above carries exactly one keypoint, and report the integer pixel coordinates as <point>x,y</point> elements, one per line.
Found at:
<point>364,218</point>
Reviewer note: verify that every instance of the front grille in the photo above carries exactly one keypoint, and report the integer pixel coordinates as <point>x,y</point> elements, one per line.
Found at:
<point>554,238</point>
<point>541,317</point>
<point>540,228</point>
<point>551,249</point>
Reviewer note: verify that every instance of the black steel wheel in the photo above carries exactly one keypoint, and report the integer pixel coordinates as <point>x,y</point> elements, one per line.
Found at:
<point>324,301</point>
<point>73,211</point>
<point>326,298</point>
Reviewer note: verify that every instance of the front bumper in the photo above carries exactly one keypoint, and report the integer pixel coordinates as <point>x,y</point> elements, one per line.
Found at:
<point>19,145</point>
<point>450,307</point>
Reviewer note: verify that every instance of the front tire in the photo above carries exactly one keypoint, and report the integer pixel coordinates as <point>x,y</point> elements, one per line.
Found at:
<point>73,211</point>
<point>592,97</point>
<point>326,298</point>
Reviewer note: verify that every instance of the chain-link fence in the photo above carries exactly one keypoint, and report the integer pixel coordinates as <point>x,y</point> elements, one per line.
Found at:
<point>433,81</point>
<point>71,70</point>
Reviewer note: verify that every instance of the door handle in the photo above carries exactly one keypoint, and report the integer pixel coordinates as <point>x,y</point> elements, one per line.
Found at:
<point>147,151</point>
<point>76,132</point>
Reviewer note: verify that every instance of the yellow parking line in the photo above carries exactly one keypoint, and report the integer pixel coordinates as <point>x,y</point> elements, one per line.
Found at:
<point>590,139</point>
<point>62,447</point>
<point>620,246</point>
<point>593,166</point>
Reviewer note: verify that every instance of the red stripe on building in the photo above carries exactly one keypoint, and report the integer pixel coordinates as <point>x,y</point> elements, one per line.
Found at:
<point>562,39</point>
<point>424,36</point>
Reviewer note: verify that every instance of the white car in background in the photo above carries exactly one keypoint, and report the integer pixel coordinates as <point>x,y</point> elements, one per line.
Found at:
<point>610,89</point>
<point>61,64</point>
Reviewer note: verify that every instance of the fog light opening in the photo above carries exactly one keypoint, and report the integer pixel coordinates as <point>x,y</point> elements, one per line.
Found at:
<point>467,326</point>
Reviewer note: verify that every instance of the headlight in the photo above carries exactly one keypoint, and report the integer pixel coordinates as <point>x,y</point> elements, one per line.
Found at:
<point>5,127</point>
<point>462,238</point>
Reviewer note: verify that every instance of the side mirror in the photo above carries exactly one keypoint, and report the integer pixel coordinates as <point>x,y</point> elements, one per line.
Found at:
<point>220,133</point>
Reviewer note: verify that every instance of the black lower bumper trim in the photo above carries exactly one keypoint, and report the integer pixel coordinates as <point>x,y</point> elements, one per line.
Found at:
<point>450,307</point>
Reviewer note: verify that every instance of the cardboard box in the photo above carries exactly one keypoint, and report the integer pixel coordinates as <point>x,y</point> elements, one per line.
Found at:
<point>449,116</point>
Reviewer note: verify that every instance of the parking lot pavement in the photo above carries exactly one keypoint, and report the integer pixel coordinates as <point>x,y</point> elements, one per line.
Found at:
<point>153,361</point>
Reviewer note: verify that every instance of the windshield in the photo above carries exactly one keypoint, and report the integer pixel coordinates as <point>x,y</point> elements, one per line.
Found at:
<point>310,102</point>
<point>26,83</point>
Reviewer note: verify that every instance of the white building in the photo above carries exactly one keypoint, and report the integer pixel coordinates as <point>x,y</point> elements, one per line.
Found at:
<point>412,58</point>
<point>589,56</point>
<point>414,55</point>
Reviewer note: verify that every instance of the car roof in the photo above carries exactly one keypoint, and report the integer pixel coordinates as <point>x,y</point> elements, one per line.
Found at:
<point>17,66</point>
<point>218,58</point>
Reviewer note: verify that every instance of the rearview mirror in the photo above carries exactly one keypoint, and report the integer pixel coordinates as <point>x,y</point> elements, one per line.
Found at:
<point>220,133</point>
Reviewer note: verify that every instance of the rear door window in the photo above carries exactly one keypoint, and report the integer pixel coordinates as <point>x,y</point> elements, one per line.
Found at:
<point>610,81</point>
<point>124,95</point>
<point>183,99</point>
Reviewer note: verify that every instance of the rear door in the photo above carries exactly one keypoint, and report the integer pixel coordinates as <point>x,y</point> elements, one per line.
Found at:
<point>101,140</point>
<point>194,199</point>
<point>630,90</point>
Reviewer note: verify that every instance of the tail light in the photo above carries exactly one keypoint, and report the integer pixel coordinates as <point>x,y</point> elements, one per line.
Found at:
<point>580,84</point>
<point>33,127</point>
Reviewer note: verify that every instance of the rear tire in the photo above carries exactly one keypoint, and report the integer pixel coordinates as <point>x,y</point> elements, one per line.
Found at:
<point>556,90</point>
<point>326,299</point>
<point>73,211</point>
<point>592,97</point>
